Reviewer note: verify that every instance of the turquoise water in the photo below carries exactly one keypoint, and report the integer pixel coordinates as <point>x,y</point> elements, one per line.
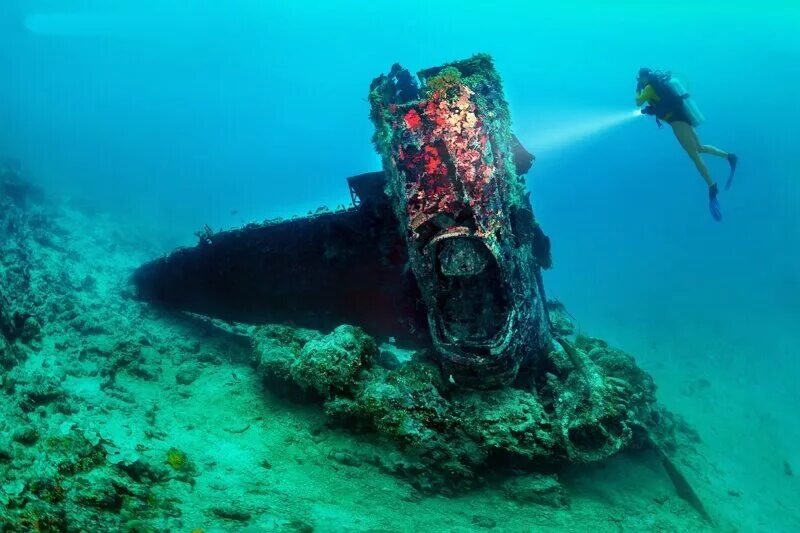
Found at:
<point>168,116</point>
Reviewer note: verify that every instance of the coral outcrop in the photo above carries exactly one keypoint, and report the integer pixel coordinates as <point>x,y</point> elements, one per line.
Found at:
<point>333,362</point>
<point>447,438</point>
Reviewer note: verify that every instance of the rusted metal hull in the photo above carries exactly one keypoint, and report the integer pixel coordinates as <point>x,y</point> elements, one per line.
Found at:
<point>319,272</point>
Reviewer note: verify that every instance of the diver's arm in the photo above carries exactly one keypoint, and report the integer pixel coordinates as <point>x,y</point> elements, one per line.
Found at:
<point>648,93</point>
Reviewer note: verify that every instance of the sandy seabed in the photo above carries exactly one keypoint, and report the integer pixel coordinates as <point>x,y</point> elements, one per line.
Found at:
<point>115,416</point>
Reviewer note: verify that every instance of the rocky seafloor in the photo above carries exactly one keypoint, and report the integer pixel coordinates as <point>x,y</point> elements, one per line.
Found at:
<point>115,416</point>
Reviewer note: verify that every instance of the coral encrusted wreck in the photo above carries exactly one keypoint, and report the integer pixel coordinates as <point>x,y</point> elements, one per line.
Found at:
<point>495,382</point>
<point>466,216</point>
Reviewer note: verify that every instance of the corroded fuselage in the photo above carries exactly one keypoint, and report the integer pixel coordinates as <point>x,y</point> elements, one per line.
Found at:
<point>466,217</point>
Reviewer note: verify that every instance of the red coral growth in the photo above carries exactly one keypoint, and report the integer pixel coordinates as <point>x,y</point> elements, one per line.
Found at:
<point>433,162</point>
<point>448,129</point>
<point>428,186</point>
<point>413,121</point>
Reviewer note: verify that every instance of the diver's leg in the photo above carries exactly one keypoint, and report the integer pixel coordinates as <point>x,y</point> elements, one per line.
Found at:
<point>686,135</point>
<point>708,149</point>
<point>688,139</point>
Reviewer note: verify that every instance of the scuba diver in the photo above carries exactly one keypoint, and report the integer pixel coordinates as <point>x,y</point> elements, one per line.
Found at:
<point>405,86</point>
<point>668,101</point>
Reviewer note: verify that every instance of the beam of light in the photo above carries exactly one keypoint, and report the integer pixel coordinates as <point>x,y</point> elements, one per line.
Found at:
<point>571,129</point>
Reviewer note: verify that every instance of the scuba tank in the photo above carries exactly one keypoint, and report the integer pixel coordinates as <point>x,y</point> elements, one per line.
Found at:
<point>689,106</point>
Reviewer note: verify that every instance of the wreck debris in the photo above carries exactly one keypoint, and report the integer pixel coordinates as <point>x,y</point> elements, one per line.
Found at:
<point>682,485</point>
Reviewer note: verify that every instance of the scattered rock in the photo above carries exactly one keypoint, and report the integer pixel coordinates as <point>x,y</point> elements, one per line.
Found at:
<point>238,428</point>
<point>230,512</point>
<point>276,349</point>
<point>150,414</point>
<point>27,435</point>
<point>193,346</point>
<point>347,459</point>
<point>139,526</point>
<point>187,374</point>
<point>143,471</point>
<point>72,454</point>
<point>147,372</point>
<point>787,469</point>
<point>48,489</point>
<point>5,452</point>
<point>8,356</point>
<point>100,492</point>
<point>388,360</point>
<point>483,521</point>
<point>13,488</point>
<point>91,435</point>
<point>31,331</point>
<point>88,283</point>
<point>537,490</point>
<point>300,526</point>
<point>332,362</point>
<point>43,390</point>
<point>116,456</point>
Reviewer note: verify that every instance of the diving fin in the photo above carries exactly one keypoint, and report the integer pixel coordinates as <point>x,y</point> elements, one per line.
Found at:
<point>716,212</point>
<point>713,203</point>
<point>733,160</point>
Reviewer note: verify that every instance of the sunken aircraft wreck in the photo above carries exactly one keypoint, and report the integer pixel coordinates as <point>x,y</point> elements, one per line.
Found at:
<point>440,251</point>
<point>451,204</point>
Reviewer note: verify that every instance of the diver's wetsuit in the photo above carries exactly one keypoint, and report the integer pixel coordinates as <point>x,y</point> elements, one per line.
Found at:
<point>666,105</point>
